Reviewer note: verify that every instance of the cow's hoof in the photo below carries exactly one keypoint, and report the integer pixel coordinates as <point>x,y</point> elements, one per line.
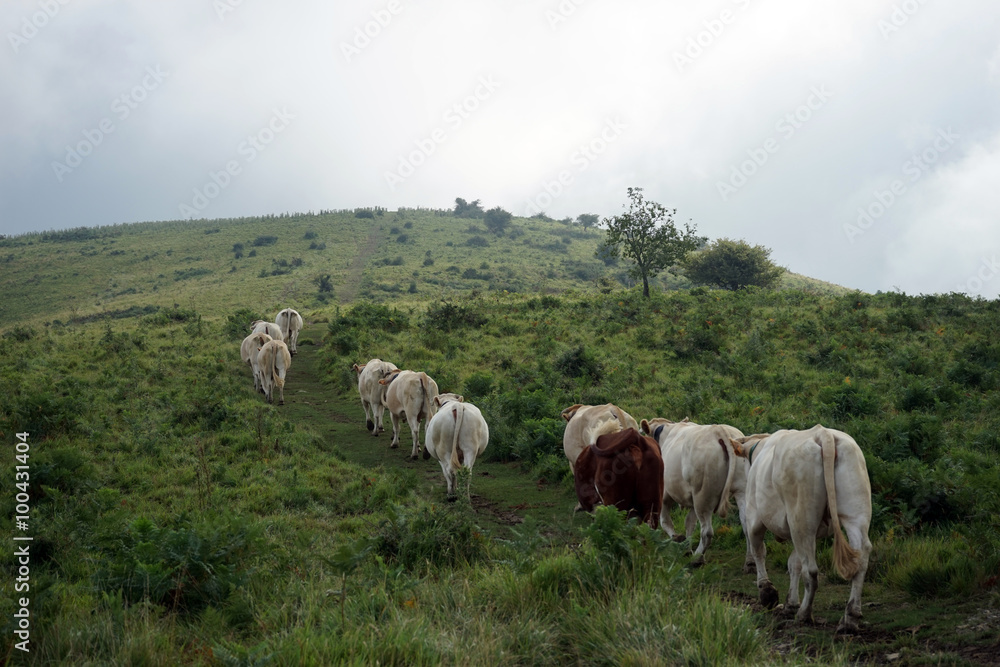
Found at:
<point>749,568</point>
<point>371,425</point>
<point>678,538</point>
<point>427,455</point>
<point>452,499</point>
<point>381,429</point>
<point>697,561</point>
<point>768,595</point>
<point>393,446</point>
<point>847,626</point>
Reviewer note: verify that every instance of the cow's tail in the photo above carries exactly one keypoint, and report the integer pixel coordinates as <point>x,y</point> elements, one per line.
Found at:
<point>427,395</point>
<point>279,381</point>
<point>845,557</point>
<point>727,448</point>
<point>459,416</point>
<point>286,333</point>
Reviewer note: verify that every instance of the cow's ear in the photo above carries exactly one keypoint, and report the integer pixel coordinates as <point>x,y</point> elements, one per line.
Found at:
<point>382,382</point>
<point>460,399</point>
<point>437,399</point>
<point>738,448</point>
<point>644,426</point>
<point>568,413</point>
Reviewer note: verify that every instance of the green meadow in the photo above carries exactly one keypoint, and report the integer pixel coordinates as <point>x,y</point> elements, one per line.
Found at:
<point>177,518</point>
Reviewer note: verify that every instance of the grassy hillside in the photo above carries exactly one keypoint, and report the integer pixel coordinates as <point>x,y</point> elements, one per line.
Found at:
<point>179,519</point>
<point>125,270</point>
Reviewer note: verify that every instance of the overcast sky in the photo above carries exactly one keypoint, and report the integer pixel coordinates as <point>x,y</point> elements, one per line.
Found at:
<point>860,140</point>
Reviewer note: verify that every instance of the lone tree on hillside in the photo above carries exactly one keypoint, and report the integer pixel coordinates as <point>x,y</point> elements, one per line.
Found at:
<point>464,209</point>
<point>587,220</point>
<point>497,220</point>
<point>733,264</point>
<point>646,234</point>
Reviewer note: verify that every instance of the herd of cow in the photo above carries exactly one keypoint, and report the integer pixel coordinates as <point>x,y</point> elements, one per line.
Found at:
<point>268,351</point>
<point>800,485</point>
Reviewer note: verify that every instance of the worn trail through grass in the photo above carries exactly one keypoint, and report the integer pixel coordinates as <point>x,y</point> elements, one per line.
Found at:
<point>502,494</point>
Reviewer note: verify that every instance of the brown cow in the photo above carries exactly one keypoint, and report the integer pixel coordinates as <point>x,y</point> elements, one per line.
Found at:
<point>622,468</point>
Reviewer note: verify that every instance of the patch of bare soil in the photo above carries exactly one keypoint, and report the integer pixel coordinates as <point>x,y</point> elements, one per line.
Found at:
<point>500,515</point>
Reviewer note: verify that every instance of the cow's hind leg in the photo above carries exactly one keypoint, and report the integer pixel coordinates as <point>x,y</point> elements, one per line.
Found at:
<point>667,521</point>
<point>805,547</point>
<point>794,577</point>
<point>415,431</point>
<point>858,538</point>
<point>704,515</point>
<point>395,429</point>
<point>369,416</point>
<point>768,593</point>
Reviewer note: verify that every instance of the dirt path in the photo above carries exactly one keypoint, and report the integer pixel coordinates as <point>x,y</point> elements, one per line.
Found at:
<point>501,493</point>
<point>349,290</point>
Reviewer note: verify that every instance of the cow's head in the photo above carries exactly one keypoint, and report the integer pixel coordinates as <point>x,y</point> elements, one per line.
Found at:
<point>441,399</point>
<point>654,427</point>
<point>745,446</point>
<point>390,376</point>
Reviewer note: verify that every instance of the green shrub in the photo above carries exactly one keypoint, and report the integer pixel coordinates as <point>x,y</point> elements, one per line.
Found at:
<point>848,400</point>
<point>436,535</point>
<point>579,363</point>
<point>446,316</point>
<point>185,566</point>
<point>237,324</point>
<point>478,385</point>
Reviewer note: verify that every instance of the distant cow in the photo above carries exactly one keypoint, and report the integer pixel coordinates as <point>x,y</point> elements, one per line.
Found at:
<point>249,350</point>
<point>582,418</point>
<point>273,362</point>
<point>270,328</point>
<point>290,323</point>
<point>372,393</point>
<point>409,397</point>
<point>700,472</point>
<point>803,485</point>
<point>456,436</point>
<point>623,469</point>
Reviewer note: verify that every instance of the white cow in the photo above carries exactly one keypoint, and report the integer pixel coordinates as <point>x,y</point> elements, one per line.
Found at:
<point>456,435</point>
<point>410,397</point>
<point>273,362</point>
<point>270,328</point>
<point>248,352</point>
<point>290,323</point>
<point>583,418</point>
<point>804,485</point>
<point>700,472</point>
<point>372,393</point>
